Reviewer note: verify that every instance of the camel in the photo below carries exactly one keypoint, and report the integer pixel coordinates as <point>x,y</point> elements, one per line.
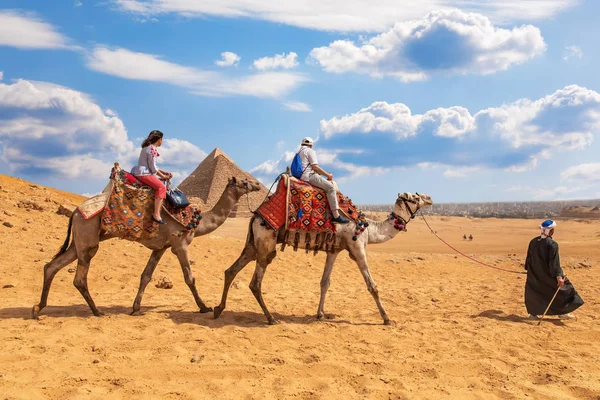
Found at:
<point>261,242</point>
<point>87,235</point>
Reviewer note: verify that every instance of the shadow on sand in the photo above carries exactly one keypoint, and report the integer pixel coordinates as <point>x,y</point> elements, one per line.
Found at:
<point>228,318</point>
<point>500,316</point>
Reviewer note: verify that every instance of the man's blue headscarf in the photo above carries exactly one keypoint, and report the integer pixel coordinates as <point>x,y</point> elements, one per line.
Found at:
<point>546,227</point>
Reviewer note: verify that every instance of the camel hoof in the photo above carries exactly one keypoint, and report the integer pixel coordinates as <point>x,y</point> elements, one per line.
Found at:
<point>217,312</point>
<point>98,313</point>
<point>35,312</point>
<point>273,321</point>
<point>205,310</point>
<point>320,317</point>
<point>136,313</point>
<point>388,322</point>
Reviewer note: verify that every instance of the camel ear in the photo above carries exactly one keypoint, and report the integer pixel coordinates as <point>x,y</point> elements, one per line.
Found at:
<point>234,179</point>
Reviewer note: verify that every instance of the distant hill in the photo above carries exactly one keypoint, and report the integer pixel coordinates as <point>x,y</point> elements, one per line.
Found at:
<point>581,212</point>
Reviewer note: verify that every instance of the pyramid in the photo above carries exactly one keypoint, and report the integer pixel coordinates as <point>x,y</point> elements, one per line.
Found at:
<point>205,185</point>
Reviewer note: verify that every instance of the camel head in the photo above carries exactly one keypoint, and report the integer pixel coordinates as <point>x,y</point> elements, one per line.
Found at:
<point>408,204</point>
<point>242,186</point>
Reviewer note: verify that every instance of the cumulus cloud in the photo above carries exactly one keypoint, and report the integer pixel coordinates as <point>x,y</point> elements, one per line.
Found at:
<point>52,130</point>
<point>449,42</point>
<point>589,172</point>
<point>327,158</point>
<point>297,106</point>
<point>513,137</point>
<point>228,59</point>
<point>127,64</point>
<point>1,75</point>
<point>27,31</point>
<point>572,51</point>
<point>279,61</point>
<point>342,15</point>
<point>77,3</point>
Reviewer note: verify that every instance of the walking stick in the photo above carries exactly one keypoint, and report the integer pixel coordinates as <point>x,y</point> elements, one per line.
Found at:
<point>551,301</point>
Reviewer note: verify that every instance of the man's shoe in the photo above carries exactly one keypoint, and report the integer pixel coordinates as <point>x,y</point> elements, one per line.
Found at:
<point>566,316</point>
<point>158,221</point>
<point>339,220</point>
<point>532,316</point>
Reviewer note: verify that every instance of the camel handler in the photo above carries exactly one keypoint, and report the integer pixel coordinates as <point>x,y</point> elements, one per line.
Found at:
<point>312,174</point>
<point>544,276</point>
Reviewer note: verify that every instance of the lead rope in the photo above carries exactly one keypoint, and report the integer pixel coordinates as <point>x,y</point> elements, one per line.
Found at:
<point>464,255</point>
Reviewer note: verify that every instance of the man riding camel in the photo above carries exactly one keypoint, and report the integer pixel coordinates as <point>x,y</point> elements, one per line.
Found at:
<point>312,174</point>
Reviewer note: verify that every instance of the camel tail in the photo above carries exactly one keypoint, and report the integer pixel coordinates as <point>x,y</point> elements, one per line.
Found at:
<point>65,245</point>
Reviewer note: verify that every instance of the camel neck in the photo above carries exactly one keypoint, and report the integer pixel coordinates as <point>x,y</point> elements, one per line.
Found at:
<point>381,231</point>
<point>214,218</point>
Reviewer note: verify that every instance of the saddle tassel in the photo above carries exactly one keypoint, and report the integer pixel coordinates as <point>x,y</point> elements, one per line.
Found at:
<point>286,236</point>
<point>296,240</point>
<point>307,242</point>
<point>317,244</point>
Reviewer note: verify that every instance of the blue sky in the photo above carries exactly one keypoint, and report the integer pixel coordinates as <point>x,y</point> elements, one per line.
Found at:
<point>462,100</point>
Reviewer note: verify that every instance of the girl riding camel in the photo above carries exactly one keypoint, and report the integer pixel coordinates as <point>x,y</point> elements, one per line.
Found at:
<point>147,172</point>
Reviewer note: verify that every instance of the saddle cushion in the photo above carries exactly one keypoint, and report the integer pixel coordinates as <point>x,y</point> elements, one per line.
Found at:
<point>307,207</point>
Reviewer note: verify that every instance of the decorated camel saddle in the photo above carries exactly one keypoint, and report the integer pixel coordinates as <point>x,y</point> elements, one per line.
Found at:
<point>126,208</point>
<point>298,206</point>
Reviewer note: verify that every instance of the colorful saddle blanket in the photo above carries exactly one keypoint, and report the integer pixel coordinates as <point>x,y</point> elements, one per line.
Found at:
<point>128,211</point>
<point>307,207</point>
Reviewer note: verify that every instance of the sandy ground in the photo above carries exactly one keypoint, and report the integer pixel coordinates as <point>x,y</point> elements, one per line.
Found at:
<point>460,329</point>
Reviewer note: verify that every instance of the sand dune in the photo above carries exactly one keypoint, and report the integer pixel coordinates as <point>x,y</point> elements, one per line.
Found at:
<point>460,328</point>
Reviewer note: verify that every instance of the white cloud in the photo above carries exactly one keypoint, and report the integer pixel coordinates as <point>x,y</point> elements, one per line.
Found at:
<point>228,59</point>
<point>27,31</point>
<point>572,51</point>
<point>513,136</point>
<point>178,152</point>
<point>78,3</point>
<point>397,119</point>
<point>459,172</point>
<point>297,106</point>
<point>449,42</point>
<point>279,61</point>
<point>589,172</point>
<point>343,15</point>
<point>149,67</point>
<point>272,167</point>
<point>1,75</point>
<point>47,129</point>
<point>328,158</point>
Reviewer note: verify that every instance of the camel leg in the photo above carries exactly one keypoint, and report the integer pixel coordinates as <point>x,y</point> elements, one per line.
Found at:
<point>256,283</point>
<point>361,260</point>
<point>182,255</point>
<point>325,280</point>
<point>146,277</point>
<point>248,254</point>
<point>80,280</point>
<point>50,270</point>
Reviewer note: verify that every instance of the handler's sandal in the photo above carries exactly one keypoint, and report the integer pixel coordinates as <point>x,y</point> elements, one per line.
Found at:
<point>566,316</point>
<point>339,220</point>
<point>531,316</point>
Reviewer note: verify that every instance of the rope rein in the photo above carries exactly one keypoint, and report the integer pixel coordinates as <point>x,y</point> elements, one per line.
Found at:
<point>464,255</point>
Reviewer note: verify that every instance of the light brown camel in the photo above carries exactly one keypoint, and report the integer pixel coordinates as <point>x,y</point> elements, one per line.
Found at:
<point>87,235</point>
<point>261,242</point>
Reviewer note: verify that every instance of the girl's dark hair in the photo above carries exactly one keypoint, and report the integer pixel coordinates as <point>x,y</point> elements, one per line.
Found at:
<point>152,138</point>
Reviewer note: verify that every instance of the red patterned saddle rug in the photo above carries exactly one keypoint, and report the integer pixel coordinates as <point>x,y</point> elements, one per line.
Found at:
<point>305,208</point>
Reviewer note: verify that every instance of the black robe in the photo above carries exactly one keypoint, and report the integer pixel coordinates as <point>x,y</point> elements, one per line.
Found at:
<point>543,266</point>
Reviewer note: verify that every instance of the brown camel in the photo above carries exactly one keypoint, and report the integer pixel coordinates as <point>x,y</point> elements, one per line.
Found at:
<point>87,235</point>
<point>261,242</point>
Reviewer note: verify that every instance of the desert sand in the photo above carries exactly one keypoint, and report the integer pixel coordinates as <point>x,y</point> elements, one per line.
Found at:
<point>460,329</point>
